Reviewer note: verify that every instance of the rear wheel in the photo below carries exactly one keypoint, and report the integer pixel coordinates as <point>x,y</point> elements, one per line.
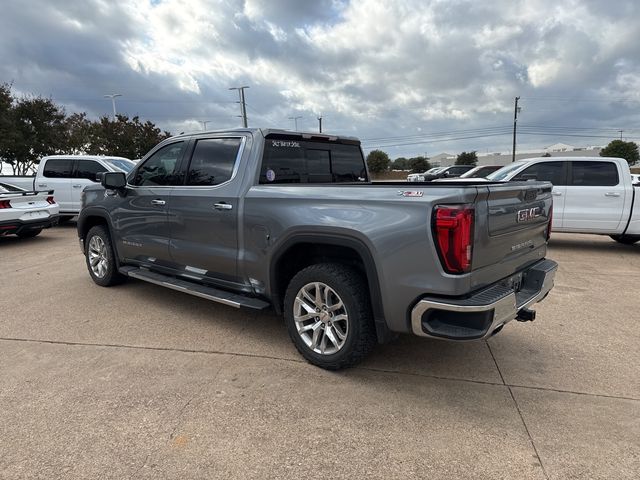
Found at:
<point>100,258</point>
<point>626,239</point>
<point>30,233</point>
<point>328,315</point>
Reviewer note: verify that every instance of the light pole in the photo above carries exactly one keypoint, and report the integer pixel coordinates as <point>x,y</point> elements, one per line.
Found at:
<point>516,110</point>
<point>243,106</point>
<point>204,124</point>
<point>113,102</point>
<point>295,122</point>
<point>320,123</point>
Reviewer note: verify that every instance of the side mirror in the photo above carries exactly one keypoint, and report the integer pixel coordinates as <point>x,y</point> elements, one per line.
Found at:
<point>113,180</point>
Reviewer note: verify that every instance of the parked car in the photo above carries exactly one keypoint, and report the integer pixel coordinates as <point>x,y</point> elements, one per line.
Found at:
<point>67,176</point>
<point>635,179</point>
<point>591,194</point>
<point>419,177</point>
<point>477,172</point>
<point>448,172</point>
<point>26,213</point>
<point>269,218</point>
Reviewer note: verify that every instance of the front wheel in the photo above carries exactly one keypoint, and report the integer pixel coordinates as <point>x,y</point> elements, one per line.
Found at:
<point>328,315</point>
<point>626,239</point>
<point>100,258</point>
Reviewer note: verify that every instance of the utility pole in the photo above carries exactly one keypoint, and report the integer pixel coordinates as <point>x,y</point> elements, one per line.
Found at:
<point>621,133</point>
<point>113,102</point>
<point>320,122</point>
<point>516,109</point>
<point>295,122</point>
<point>243,105</point>
<point>204,124</point>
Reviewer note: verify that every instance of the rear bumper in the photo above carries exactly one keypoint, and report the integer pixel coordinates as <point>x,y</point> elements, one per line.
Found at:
<point>13,227</point>
<point>485,312</point>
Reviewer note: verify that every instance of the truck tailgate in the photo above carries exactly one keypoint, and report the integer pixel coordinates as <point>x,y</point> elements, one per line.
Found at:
<point>515,233</point>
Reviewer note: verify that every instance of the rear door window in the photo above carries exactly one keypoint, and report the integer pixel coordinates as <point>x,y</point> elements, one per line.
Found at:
<point>554,172</point>
<point>296,161</point>
<point>88,169</point>
<point>213,161</point>
<point>58,168</point>
<point>594,174</point>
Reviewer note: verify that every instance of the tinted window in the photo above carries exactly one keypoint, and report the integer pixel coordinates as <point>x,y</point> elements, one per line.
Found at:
<point>58,168</point>
<point>88,169</point>
<point>458,170</point>
<point>212,161</point>
<point>294,161</point>
<point>160,168</point>
<point>553,172</point>
<point>592,174</point>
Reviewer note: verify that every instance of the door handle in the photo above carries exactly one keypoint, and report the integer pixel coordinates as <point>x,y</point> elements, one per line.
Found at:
<point>223,206</point>
<point>43,185</point>
<point>77,186</point>
<point>158,202</point>
<point>557,194</point>
<point>612,194</point>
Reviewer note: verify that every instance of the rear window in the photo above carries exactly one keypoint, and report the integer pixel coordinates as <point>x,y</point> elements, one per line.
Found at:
<point>594,174</point>
<point>58,168</point>
<point>295,161</point>
<point>212,161</point>
<point>88,169</point>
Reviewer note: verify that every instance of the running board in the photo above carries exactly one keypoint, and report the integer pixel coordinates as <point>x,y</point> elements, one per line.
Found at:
<point>202,291</point>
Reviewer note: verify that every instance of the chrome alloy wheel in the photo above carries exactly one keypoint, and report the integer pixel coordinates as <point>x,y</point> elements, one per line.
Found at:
<point>97,252</point>
<point>321,318</point>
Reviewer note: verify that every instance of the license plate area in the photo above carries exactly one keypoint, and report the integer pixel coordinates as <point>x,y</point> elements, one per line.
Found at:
<point>514,282</point>
<point>38,214</point>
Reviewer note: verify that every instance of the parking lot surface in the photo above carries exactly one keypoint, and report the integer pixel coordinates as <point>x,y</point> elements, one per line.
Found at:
<point>138,381</point>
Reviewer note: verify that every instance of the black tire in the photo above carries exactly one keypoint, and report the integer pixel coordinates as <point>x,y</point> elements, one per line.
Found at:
<point>111,275</point>
<point>350,287</point>
<point>30,233</point>
<point>626,239</point>
<point>64,219</point>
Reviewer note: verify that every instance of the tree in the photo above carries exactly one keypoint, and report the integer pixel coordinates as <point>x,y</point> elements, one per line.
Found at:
<point>400,163</point>
<point>79,132</point>
<point>467,158</point>
<point>378,161</point>
<point>622,149</point>
<point>419,164</point>
<point>124,137</point>
<point>37,130</point>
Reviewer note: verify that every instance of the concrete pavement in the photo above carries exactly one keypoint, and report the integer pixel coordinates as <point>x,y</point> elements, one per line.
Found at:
<point>137,381</point>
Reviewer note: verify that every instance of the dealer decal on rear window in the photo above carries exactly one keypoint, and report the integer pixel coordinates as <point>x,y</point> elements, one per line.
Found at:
<point>285,143</point>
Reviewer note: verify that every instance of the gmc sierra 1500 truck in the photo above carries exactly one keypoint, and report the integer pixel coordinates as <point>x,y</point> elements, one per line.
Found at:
<point>262,218</point>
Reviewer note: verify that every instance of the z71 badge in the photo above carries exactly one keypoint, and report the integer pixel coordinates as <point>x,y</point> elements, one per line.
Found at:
<point>527,214</point>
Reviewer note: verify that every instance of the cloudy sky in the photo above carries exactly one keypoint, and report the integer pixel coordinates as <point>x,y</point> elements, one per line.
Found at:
<point>410,76</point>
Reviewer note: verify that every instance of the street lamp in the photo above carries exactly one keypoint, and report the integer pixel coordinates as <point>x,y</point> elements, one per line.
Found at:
<point>113,102</point>
<point>295,122</point>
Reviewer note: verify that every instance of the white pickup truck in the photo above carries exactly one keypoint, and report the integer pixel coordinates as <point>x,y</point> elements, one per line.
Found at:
<point>590,194</point>
<point>67,175</point>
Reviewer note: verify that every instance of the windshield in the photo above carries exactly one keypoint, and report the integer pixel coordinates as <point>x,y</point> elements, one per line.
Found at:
<point>504,172</point>
<point>435,169</point>
<point>121,164</point>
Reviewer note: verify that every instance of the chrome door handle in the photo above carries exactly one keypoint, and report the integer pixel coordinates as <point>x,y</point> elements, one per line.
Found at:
<point>158,202</point>
<point>43,185</point>
<point>612,194</point>
<point>77,186</point>
<point>223,206</point>
<point>557,194</point>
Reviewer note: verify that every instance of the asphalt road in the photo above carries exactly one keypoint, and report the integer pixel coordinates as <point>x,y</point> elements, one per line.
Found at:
<point>138,381</point>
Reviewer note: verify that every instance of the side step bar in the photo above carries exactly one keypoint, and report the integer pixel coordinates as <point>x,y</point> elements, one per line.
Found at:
<point>202,291</point>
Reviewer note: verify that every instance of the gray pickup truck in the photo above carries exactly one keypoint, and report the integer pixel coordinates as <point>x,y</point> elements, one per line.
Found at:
<point>261,218</point>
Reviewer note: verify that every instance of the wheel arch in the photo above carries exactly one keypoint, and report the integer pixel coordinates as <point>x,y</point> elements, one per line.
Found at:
<point>301,250</point>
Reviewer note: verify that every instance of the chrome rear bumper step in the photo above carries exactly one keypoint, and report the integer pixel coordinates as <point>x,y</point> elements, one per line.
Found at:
<point>202,291</point>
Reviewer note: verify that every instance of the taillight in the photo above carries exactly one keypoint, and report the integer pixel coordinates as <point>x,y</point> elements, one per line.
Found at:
<point>5,204</point>
<point>550,221</point>
<point>50,200</point>
<point>453,233</point>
